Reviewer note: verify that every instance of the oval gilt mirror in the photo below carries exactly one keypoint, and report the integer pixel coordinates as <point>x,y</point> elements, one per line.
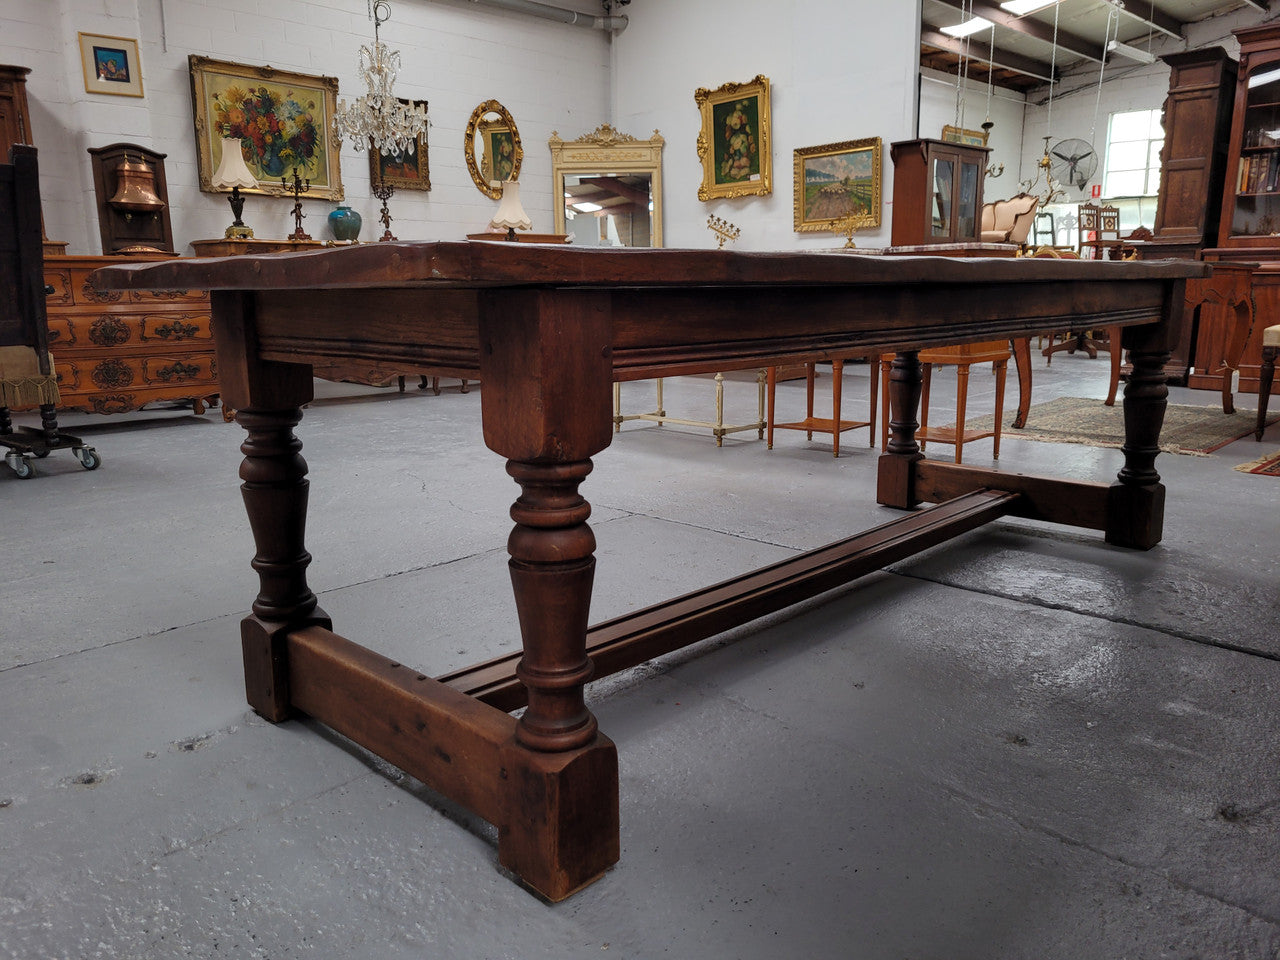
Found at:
<point>492,137</point>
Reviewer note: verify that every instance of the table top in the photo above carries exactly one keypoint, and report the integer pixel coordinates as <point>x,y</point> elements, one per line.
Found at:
<point>489,264</point>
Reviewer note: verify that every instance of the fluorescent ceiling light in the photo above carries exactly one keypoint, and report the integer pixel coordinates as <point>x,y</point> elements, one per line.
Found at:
<point>1020,8</point>
<point>1133,53</point>
<point>587,207</point>
<point>972,25</point>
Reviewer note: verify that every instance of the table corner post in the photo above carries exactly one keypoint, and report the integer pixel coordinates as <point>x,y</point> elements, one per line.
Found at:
<point>896,468</point>
<point>547,368</point>
<point>268,398</point>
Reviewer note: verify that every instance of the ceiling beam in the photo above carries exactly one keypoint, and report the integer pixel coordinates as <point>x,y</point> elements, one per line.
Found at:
<point>1152,18</point>
<point>982,51</point>
<point>1070,42</point>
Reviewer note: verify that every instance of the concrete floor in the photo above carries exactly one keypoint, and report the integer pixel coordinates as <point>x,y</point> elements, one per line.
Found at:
<point>1025,744</point>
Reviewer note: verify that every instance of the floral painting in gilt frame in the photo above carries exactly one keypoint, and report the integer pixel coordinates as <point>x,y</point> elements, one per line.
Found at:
<point>836,182</point>
<point>733,144</point>
<point>284,121</point>
<point>409,170</point>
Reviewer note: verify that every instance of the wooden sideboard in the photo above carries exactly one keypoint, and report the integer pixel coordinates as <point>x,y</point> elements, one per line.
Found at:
<point>115,350</point>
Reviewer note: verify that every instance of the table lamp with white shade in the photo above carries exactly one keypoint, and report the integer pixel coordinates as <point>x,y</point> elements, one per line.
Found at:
<point>233,174</point>
<point>510,216</point>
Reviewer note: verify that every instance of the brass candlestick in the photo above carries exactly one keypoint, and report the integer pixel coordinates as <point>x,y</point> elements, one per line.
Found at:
<point>723,229</point>
<point>298,188</point>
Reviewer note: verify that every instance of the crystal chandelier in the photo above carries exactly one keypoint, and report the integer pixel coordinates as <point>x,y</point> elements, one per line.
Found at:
<point>378,118</point>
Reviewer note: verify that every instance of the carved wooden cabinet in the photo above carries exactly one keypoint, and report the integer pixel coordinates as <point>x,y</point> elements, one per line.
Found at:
<point>115,350</point>
<point>1193,160</point>
<point>937,191</point>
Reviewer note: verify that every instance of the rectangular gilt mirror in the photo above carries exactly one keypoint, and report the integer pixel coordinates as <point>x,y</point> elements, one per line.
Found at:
<point>607,189</point>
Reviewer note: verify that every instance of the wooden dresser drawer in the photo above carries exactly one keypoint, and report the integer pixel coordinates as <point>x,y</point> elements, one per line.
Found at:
<point>123,372</point>
<point>85,331</point>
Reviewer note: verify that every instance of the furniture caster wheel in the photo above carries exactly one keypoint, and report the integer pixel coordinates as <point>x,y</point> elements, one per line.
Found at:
<point>21,466</point>
<point>88,458</point>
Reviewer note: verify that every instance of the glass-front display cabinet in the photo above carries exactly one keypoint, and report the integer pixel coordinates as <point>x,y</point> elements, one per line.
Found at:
<point>1251,201</point>
<point>937,191</point>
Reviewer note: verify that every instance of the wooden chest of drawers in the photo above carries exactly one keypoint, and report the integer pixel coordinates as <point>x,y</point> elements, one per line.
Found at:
<point>117,350</point>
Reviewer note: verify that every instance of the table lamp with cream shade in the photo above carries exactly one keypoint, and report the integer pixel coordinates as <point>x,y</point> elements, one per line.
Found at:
<point>510,216</point>
<point>234,174</point>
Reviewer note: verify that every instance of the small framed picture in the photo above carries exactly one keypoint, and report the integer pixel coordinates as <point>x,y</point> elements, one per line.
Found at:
<point>973,138</point>
<point>406,171</point>
<point>110,65</point>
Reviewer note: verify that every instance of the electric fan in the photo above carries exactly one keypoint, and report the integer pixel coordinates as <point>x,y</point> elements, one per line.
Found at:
<point>1073,162</point>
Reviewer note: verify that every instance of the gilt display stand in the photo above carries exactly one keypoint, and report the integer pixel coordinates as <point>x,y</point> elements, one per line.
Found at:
<point>549,329</point>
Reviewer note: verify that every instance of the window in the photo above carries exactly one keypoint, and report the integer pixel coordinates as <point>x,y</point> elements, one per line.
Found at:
<point>1133,154</point>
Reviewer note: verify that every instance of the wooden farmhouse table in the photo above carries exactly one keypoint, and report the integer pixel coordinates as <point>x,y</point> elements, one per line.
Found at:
<point>548,330</point>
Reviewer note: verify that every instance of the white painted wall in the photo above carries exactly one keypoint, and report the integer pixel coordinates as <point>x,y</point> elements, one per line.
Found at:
<point>455,54</point>
<point>839,69</point>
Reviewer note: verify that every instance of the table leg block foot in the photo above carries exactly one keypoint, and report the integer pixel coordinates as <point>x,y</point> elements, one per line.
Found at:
<point>266,666</point>
<point>561,828</point>
<point>1135,515</point>
<point>895,481</point>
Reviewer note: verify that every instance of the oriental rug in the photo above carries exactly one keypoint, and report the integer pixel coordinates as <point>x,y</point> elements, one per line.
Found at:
<point>1268,466</point>
<point>1196,431</point>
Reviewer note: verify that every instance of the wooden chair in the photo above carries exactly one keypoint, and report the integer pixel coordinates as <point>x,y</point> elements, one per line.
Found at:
<point>26,370</point>
<point>1266,373</point>
<point>811,424</point>
<point>962,357</point>
<point>1099,228</point>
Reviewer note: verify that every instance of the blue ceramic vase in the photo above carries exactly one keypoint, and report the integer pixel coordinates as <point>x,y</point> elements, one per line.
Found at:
<point>345,223</point>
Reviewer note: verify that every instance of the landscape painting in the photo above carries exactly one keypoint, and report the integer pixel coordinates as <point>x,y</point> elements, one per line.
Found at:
<point>837,185</point>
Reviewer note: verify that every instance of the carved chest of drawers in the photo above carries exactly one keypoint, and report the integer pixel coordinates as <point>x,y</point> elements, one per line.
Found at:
<point>117,350</point>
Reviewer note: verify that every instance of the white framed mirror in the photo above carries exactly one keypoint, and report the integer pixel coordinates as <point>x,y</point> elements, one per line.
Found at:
<point>607,188</point>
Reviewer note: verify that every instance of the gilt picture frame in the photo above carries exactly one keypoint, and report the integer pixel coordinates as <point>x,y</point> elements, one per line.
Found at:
<point>111,65</point>
<point>971,138</point>
<point>284,119</point>
<point>497,151</point>
<point>734,142</point>
<point>837,186</point>
<point>410,170</point>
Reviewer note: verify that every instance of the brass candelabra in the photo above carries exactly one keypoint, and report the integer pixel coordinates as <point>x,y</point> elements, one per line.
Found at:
<point>384,191</point>
<point>297,188</point>
<point>723,229</point>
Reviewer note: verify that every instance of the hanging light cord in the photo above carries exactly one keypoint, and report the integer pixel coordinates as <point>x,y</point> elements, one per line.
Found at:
<point>962,68</point>
<point>1053,69</point>
<point>1113,16</point>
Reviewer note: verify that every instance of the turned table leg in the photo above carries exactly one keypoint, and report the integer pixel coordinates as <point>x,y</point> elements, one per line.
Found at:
<point>1135,511</point>
<point>275,498</point>
<point>895,485</point>
<point>547,370</point>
